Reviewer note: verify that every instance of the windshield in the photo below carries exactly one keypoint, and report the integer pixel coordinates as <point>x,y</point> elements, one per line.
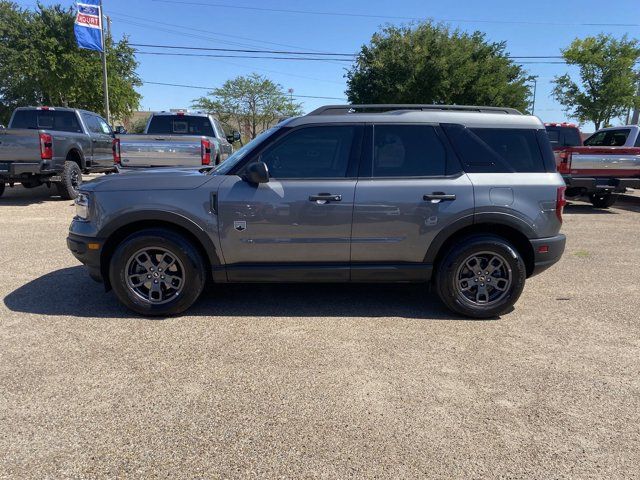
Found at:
<point>234,159</point>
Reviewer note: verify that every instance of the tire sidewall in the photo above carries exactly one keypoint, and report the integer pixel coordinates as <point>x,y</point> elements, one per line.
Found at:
<point>446,275</point>
<point>65,188</point>
<point>194,272</point>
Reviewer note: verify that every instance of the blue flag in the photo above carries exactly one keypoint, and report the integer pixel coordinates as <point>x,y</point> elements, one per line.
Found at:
<point>88,25</point>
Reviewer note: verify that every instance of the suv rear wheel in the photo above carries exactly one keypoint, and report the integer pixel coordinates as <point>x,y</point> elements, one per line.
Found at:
<point>481,276</point>
<point>157,273</point>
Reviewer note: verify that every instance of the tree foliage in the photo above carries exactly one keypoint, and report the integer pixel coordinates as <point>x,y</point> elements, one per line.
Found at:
<point>40,63</point>
<point>252,103</point>
<point>430,63</point>
<point>607,87</point>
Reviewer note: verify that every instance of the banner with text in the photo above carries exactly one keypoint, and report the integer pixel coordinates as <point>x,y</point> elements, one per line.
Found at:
<point>88,25</point>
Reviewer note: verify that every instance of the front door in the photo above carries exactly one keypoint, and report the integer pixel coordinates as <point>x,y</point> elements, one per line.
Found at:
<point>412,190</point>
<point>296,227</point>
<point>101,141</point>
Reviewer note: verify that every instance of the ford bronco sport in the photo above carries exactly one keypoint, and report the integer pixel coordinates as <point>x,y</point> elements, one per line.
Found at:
<point>467,197</point>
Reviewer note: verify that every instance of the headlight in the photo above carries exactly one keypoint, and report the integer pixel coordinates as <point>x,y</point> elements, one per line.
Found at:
<point>82,206</point>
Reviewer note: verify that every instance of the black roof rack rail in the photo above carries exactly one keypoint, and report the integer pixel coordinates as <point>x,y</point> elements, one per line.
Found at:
<point>384,108</point>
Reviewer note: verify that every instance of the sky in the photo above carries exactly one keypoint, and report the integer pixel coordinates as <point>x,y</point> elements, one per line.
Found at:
<point>529,29</point>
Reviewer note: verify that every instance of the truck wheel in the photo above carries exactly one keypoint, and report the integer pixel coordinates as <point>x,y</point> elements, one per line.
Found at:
<point>157,272</point>
<point>71,180</point>
<point>481,276</point>
<point>602,200</point>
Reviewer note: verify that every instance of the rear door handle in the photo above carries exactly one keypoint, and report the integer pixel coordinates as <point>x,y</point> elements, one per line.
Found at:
<point>437,197</point>
<point>323,198</point>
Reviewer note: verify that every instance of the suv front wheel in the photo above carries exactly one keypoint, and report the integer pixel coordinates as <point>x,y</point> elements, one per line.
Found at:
<point>481,276</point>
<point>157,273</point>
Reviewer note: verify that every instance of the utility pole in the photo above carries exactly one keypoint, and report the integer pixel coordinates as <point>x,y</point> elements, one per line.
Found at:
<point>635,120</point>
<point>533,104</point>
<point>105,83</point>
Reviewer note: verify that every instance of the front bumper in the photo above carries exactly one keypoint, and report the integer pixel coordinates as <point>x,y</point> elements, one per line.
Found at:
<point>87,251</point>
<point>546,252</point>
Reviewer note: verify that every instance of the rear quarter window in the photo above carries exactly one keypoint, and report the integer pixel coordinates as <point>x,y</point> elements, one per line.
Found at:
<point>497,150</point>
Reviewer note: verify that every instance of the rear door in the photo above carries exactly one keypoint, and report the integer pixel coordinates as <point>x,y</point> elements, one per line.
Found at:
<point>410,188</point>
<point>298,225</point>
<point>225,146</point>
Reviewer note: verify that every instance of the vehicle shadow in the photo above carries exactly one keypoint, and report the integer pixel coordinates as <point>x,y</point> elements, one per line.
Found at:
<point>586,208</point>
<point>69,292</point>
<point>18,196</point>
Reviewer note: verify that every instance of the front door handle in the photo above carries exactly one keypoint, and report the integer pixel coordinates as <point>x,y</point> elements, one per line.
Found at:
<point>323,198</point>
<point>437,197</point>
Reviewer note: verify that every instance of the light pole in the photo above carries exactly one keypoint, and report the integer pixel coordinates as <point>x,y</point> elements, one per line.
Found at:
<point>105,83</point>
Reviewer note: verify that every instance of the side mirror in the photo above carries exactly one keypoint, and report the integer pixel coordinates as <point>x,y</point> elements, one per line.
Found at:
<point>234,137</point>
<point>257,173</point>
<point>120,130</point>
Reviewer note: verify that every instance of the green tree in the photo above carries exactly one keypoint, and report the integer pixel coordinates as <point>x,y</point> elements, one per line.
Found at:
<point>430,63</point>
<point>607,87</point>
<point>252,103</point>
<point>40,63</point>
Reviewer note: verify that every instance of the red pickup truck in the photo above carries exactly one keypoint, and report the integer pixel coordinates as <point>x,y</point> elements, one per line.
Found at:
<point>596,171</point>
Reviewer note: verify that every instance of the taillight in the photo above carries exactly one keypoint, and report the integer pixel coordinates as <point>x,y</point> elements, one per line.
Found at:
<point>205,151</point>
<point>115,147</point>
<point>560,202</point>
<point>46,146</point>
<point>564,163</point>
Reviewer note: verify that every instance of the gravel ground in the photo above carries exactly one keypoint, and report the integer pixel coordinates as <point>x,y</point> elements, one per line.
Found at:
<point>319,381</point>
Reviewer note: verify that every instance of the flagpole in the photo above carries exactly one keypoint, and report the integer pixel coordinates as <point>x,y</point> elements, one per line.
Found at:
<point>105,84</point>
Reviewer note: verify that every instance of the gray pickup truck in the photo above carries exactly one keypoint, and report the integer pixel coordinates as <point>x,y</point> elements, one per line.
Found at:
<point>467,197</point>
<point>177,139</point>
<point>47,145</point>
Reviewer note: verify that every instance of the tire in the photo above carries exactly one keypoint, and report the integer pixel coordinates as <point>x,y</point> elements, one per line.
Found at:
<point>130,266</point>
<point>71,180</point>
<point>604,200</point>
<point>476,297</point>
<point>2,187</point>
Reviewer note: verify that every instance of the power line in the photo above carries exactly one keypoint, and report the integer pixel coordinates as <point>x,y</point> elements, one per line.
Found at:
<point>291,52</point>
<point>199,87</point>
<point>239,56</point>
<point>257,57</point>
<point>281,52</point>
<point>392,17</point>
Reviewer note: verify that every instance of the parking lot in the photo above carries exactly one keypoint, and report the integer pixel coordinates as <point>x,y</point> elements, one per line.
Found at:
<point>319,381</point>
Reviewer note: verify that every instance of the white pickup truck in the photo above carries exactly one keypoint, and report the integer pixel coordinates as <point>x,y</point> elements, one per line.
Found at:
<point>627,136</point>
<point>176,139</point>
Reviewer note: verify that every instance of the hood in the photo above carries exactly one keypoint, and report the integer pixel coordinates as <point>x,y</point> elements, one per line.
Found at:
<point>149,179</point>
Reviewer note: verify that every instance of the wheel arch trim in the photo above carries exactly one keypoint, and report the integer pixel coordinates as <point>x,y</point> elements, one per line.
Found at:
<point>165,217</point>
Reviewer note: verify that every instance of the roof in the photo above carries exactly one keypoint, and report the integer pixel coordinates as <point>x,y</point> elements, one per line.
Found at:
<point>462,117</point>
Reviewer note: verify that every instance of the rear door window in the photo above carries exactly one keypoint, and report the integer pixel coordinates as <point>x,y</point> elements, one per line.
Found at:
<point>92,123</point>
<point>608,138</point>
<point>180,125</point>
<point>497,150</point>
<point>408,151</point>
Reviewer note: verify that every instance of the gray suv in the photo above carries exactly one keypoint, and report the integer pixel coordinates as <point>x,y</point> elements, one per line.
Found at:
<point>465,197</point>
